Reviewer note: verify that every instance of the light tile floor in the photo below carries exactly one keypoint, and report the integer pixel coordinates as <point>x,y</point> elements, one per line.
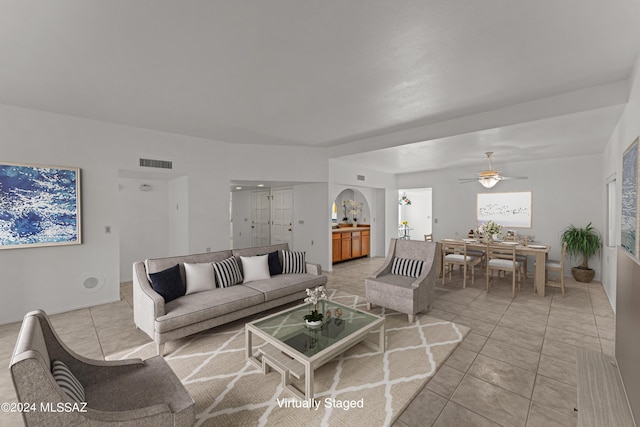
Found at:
<point>515,368</point>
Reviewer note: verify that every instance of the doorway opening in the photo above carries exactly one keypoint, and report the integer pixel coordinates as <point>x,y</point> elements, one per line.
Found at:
<point>415,213</point>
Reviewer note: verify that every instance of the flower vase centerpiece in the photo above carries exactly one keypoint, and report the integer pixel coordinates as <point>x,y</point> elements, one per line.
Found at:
<point>355,211</point>
<point>489,231</point>
<point>314,318</point>
<point>345,218</point>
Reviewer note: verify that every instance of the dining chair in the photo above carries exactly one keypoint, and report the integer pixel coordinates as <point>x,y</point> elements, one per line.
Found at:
<point>558,267</point>
<point>503,258</point>
<point>428,237</point>
<point>455,253</point>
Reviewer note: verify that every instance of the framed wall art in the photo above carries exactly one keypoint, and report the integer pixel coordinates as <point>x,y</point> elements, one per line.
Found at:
<point>39,205</point>
<point>629,224</point>
<point>507,209</point>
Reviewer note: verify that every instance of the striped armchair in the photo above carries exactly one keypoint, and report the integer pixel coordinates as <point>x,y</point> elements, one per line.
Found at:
<point>406,280</point>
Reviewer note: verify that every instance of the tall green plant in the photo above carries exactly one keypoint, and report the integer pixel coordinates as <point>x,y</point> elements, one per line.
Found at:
<point>584,242</point>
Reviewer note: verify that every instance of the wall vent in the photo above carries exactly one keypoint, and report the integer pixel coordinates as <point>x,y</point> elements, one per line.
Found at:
<point>360,177</point>
<point>162,164</point>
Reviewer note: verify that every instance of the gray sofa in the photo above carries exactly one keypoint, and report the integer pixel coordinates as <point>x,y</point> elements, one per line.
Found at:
<point>197,312</point>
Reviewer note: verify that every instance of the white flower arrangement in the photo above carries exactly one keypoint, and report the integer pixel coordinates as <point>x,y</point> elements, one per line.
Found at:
<point>313,296</point>
<point>490,228</point>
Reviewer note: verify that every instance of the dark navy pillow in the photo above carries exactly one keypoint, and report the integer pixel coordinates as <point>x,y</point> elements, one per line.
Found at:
<point>274,264</point>
<point>168,283</point>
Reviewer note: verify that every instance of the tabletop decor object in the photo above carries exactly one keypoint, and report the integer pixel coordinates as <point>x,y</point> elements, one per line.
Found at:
<point>584,242</point>
<point>314,318</point>
<point>489,230</point>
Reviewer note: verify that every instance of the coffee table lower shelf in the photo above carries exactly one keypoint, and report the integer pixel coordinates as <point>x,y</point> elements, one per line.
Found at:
<point>273,358</point>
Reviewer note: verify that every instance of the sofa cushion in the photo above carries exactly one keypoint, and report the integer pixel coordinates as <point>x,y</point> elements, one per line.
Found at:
<point>67,381</point>
<point>275,266</point>
<point>194,308</point>
<point>293,262</point>
<point>200,277</point>
<point>286,284</point>
<point>400,284</point>
<point>168,283</point>
<point>227,272</point>
<point>255,268</point>
<point>407,267</point>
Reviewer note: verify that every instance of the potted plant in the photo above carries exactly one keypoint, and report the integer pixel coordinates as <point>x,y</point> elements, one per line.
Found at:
<point>314,318</point>
<point>584,242</point>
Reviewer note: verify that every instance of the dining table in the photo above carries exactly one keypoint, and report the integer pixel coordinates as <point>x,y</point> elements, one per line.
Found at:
<point>540,252</point>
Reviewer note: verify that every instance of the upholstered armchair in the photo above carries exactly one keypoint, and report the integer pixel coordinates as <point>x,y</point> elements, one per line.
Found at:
<point>123,393</point>
<point>406,280</point>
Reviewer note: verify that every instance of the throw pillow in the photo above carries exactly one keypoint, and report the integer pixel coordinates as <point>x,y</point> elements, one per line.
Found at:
<point>275,267</point>
<point>227,272</point>
<point>255,267</point>
<point>168,283</point>
<point>407,267</point>
<point>67,381</point>
<point>200,277</point>
<point>293,262</point>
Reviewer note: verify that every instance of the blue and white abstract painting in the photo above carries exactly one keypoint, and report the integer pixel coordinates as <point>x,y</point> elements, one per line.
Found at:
<point>39,206</point>
<point>629,220</point>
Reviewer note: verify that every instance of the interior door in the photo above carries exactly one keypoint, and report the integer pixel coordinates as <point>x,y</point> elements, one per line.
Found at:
<point>282,216</point>
<point>260,214</point>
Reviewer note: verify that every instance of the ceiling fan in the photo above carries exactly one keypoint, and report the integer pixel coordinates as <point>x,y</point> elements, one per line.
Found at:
<point>490,177</point>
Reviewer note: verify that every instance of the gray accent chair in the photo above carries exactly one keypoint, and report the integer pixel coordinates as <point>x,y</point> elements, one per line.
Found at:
<point>123,393</point>
<point>402,293</point>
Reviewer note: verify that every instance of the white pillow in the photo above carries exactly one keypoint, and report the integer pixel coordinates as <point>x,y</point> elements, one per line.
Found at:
<point>255,267</point>
<point>200,277</point>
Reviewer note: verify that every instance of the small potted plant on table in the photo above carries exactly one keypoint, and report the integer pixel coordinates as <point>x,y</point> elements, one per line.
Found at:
<point>314,318</point>
<point>584,242</point>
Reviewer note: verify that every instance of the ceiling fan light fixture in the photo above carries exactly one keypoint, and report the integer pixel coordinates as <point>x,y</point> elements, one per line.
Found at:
<point>488,182</point>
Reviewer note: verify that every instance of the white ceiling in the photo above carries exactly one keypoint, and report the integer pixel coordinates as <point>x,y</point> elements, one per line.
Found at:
<point>396,86</point>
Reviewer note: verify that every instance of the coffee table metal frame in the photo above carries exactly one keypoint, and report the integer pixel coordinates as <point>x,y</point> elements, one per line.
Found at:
<point>274,353</point>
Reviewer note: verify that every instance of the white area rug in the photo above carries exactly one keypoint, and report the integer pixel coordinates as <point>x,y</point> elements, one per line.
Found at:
<point>361,387</point>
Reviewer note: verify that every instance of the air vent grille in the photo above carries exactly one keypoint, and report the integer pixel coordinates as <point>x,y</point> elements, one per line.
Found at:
<point>360,177</point>
<point>161,164</point>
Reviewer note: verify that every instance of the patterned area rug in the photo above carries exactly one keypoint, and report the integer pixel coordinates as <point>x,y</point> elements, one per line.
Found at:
<point>361,387</point>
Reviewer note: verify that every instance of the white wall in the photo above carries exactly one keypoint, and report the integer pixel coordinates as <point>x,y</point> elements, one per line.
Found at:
<point>139,236</point>
<point>564,191</point>
<point>625,133</point>
<point>241,214</point>
<point>311,222</point>
<point>51,278</point>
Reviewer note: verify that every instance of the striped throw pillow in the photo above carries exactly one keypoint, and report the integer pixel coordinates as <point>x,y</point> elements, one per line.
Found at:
<point>67,381</point>
<point>407,267</point>
<point>293,262</point>
<point>227,272</point>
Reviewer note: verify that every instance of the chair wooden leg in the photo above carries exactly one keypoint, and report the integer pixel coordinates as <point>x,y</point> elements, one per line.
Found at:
<point>410,316</point>
<point>160,348</point>
<point>464,276</point>
<point>369,305</point>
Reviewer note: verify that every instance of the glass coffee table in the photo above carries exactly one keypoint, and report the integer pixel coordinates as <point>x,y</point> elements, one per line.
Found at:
<point>294,349</point>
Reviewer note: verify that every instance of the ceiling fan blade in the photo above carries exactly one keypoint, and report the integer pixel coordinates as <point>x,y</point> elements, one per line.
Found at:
<point>514,177</point>
<point>467,180</point>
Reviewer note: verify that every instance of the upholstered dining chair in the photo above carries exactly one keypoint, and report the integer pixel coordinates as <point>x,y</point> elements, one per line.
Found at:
<point>455,253</point>
<point>123,392</point>
<point>406,280</point>
<point>503,258</point>
<point>557,267</point>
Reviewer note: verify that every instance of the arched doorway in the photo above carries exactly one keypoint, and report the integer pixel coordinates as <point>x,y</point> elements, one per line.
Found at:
<point>351,226</point>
